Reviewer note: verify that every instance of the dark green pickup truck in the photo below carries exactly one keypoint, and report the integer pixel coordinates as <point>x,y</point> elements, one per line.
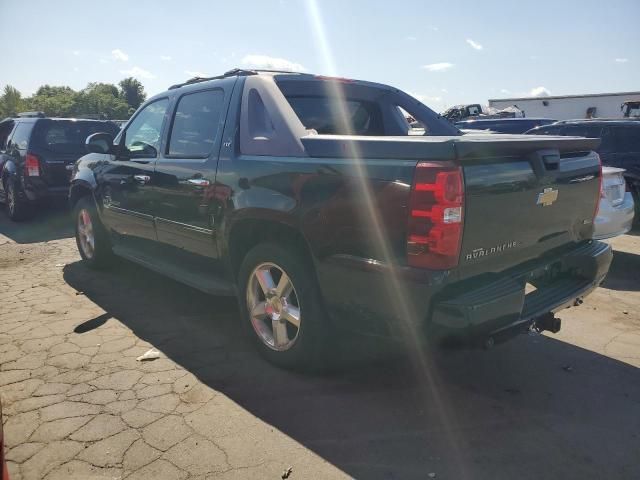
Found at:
<point>315,202</point>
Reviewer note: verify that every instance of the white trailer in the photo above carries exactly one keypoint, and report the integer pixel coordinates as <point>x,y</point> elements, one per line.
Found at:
<point>566,107</point>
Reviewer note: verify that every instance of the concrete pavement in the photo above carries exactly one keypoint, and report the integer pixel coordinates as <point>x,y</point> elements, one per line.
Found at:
<point>78,405</point>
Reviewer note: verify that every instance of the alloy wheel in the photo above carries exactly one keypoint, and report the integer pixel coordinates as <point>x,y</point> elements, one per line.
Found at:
<point>11,199</point>
<point>85,233</point>
<point>274,307</point>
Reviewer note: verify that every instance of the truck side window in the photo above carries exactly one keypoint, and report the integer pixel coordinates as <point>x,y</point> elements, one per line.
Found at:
<point>145,130</point>
<point>260,123</point>
<point>196,124</point>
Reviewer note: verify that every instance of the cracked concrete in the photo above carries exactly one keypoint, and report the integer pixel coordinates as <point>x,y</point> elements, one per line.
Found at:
<point>78,405</point>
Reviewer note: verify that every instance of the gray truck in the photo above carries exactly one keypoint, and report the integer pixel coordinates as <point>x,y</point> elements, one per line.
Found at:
<point>308,199</point>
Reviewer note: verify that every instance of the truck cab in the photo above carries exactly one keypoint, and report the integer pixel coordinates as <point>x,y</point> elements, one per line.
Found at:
<point>312,200</point>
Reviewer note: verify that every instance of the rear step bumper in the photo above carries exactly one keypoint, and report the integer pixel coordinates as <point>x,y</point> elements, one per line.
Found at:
<point>494,311</point>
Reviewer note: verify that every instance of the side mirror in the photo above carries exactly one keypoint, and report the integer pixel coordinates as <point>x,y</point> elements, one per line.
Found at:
<point>99,143</point>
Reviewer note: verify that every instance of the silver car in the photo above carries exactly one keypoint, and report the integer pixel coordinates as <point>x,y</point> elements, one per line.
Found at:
<point>615,214</point>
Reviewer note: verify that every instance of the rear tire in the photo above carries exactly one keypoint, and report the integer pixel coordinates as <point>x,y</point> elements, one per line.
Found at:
<point>270,318</point>
<point>91,236</point>
<point>18,206</point>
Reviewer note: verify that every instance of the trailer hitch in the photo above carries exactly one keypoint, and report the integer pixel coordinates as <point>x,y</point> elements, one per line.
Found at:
<point>548,322</point>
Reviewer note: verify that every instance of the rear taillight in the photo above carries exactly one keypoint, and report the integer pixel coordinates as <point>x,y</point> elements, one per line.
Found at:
<point>601,192</point>
<point>32,165</point>
<point>434,234</point>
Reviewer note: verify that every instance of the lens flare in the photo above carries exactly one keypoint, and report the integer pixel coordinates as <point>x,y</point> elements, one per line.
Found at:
<point>409,330</point>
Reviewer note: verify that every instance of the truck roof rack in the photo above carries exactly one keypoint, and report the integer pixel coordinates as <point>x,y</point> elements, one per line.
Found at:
<point>230,73</point>
<point>31,115</point>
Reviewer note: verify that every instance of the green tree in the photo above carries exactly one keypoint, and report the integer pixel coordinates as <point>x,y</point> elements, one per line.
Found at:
<point>54,101</point>
<point>11,101</point>
<point>103,89</point>
<point>101,99</point>
<point>132,91</point>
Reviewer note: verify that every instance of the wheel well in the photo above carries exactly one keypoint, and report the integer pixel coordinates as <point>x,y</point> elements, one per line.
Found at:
<point>249,233</point>
<point>77,192</point>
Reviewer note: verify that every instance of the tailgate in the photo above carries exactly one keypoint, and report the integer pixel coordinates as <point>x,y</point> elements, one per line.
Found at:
<point>56,168</point>
<point>525,198</point>
<point>59,142</point>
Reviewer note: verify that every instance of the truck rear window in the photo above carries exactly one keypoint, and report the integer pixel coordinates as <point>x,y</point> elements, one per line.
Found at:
<point>328,115</point>
<point>68,136</point>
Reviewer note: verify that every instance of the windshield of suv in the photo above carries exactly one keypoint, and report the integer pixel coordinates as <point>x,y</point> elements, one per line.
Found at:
<point>68,136</point>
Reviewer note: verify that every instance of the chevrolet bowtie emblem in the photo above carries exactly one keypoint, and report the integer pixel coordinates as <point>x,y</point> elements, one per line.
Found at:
<point>547,197</point>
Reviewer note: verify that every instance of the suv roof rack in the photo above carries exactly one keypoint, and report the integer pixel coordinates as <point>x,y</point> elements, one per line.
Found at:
<point>31,115</point>
<point>230,73</point>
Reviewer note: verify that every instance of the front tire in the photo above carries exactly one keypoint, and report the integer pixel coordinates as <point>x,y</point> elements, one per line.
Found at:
<point>91,236</point>
<point>281,307</point>
<point>18,206</point>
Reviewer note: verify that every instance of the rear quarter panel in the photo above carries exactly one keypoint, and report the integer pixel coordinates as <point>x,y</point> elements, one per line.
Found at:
<point>340,207</point>
<point>350,225</point>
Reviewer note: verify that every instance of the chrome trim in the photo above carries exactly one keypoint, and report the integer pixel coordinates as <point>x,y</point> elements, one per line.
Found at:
<point>199,182</point>
<point>124,211</point>
<point>586,178</point>
<point>185,226</point>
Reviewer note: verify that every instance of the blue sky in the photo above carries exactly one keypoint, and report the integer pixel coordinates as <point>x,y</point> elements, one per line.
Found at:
<point>442,52</point>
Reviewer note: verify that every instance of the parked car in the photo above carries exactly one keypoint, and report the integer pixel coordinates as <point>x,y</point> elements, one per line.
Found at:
<point>37,155</point>
<point>461,112</point>
<point>616,208</point>
<point>619,147</point>
<point>504,125</point>
<point>295,193</point>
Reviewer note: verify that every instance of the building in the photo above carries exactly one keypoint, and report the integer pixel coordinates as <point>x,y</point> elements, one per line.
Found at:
<point>565,107</point>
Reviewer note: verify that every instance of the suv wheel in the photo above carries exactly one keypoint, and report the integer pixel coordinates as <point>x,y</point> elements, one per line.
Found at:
<point>18,206</point>
<point>281,307</point>
<point>91,236</point>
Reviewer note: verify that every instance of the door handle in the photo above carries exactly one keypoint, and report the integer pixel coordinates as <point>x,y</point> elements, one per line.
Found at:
<point>142,179</point>
<point>199,182</point>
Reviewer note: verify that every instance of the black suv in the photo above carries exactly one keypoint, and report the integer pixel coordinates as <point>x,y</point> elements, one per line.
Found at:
<point>620,145</point>
<point>37,155</point>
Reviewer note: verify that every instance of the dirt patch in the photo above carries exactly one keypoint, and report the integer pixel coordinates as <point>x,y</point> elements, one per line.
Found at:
<point>16,255</point>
